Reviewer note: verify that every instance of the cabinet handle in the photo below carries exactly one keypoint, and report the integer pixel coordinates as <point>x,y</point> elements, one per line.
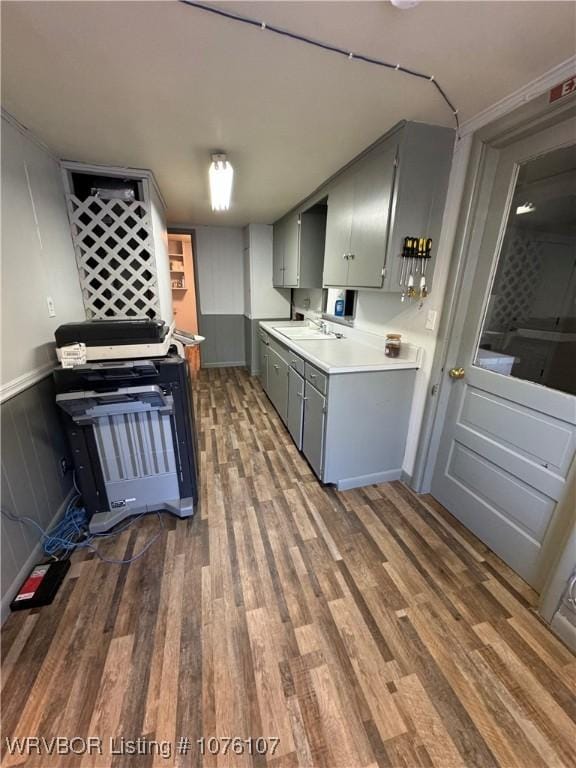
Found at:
<point>351,256</point>
<point>312,375</point>
<point>293,362</point>
<point>344,255</point>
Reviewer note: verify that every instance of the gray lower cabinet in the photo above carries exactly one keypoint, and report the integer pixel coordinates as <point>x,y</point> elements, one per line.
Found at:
<point>352,427</point>
<point>295,406</point>
<point>313,429</point>
<point>264,354</point>
<point>278,383</point>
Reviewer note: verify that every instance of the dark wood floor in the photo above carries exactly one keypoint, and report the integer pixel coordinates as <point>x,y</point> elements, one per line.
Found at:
<point>364,628</point>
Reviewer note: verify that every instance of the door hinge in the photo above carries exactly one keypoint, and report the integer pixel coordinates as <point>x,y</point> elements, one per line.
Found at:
<point>383,271</point>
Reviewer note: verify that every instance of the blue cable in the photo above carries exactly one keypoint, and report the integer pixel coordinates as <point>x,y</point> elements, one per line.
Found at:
<point>73,532</point>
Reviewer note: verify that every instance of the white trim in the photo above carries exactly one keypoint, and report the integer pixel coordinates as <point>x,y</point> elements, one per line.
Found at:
<point>31,560</point>
<point>140,174</point>
<point>21,128</point>
<point>361,480</point>
<point>20,383</point>
<point>521,96</point>
<point>566,631</point>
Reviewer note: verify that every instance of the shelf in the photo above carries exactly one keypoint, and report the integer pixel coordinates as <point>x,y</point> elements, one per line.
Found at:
<point>179,289</point>
<point>177,272</point>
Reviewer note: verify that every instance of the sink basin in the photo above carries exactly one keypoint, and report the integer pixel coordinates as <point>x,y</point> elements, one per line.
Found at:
<point>302,333</point>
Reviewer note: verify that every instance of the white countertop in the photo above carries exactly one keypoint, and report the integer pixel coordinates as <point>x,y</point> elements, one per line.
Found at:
<point>344,355</point>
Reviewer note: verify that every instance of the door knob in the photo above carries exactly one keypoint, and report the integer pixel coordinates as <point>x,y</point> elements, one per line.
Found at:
<point>456,373</point>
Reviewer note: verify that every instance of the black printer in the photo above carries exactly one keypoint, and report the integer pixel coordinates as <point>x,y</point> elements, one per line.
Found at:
<point>129,420</point>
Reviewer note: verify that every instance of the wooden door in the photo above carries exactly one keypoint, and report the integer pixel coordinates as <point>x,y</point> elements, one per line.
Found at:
<point>509,434</point>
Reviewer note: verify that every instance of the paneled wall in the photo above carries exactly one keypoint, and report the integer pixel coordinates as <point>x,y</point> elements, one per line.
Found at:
<point>32,484</point>
<point>37,258</point>
<point>220,295</point>
<point>37,262</point>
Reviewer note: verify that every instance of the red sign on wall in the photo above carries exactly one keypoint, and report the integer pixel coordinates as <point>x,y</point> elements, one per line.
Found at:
<point>563,89</point>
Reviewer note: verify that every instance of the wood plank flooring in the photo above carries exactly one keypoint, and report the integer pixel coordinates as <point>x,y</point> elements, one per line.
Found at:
<point>356,629</point>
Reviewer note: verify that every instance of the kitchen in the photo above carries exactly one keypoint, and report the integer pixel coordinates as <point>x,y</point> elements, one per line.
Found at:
<point>372,560</point>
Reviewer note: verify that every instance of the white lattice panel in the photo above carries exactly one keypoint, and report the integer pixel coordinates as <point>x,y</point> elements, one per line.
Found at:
<point>115,257</point>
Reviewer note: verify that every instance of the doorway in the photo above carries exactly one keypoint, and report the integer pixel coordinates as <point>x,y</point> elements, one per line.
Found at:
<point>509,432</point>
<point>183,283</point>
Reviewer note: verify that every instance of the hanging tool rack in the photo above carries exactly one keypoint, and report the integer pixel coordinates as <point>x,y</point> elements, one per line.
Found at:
<point>416,253</point>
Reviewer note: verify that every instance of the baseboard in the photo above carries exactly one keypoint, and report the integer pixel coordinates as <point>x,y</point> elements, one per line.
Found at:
<point>234,364</point>
<point>406,478</point>
<point>377,477</point>
<point>565,630</point>
<point>31,560</point>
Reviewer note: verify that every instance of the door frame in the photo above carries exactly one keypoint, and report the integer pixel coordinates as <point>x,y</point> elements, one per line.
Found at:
<point>477,158</point>
<point>473,174</point>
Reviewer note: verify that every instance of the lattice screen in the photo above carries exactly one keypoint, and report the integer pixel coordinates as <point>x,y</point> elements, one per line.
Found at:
<point>115,257</point>
<point>516,281</point>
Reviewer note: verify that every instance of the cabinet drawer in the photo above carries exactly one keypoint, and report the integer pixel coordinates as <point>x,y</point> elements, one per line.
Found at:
<point>316,377</point>
<point>280,349</point>
<point>296,362</point>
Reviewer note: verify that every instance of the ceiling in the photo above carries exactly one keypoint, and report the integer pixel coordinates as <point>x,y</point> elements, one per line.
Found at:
<point>159,85</point>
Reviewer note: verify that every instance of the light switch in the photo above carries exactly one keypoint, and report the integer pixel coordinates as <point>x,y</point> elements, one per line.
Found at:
<point>51,307</point>
<point>431,319</point>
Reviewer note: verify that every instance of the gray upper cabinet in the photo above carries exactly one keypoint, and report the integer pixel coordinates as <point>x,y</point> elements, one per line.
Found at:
<point>396,189</point>
<point>424,160</point>
<point>298,252</point>
<point>373,187</point>
<point>338,232</point>
<point>291,251</point>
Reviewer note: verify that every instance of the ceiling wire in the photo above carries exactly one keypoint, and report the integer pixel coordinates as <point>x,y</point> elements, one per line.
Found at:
<point>328,47</point>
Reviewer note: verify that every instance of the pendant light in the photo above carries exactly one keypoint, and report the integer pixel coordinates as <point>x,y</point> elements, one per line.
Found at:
<point>221,174</point>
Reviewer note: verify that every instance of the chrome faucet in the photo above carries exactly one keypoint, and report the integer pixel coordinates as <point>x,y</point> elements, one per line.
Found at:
<point>323,327</point>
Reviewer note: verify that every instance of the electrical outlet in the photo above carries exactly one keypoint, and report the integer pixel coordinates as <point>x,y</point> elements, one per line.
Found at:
<point>431,319</point>
<point>51,306</point>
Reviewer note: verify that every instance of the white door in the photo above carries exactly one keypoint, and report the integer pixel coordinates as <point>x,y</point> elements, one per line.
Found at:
<point>509,434</point>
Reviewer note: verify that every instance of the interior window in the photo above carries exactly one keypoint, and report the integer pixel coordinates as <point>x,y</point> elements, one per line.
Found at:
<point>529,328</point>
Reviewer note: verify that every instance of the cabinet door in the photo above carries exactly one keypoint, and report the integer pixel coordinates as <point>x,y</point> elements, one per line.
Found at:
<point>264,354</point>
<point>278,383</point>
<point>278,255</point>
<point>313,431</point>
<point>373,188</point>
<point>338,231</point>
<point>292,252</point>
<point>295,406</point>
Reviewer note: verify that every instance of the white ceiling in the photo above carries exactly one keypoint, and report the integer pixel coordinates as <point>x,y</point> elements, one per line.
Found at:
<point>159,85</point>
